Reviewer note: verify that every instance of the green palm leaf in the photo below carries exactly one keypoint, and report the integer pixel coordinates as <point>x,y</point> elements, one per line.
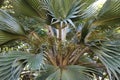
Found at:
<point>36,62</point>
<point>48,70</point>
<point>87,3</point>
<point>109,54</point>
<point>63,11</point>
<point>22,7</point>
<point>93,9</point>
<point>38,7</point>
<point>72,72</point>
<point>5,37</point>
<point>11,65</point>
<point>109,14</point>
<point>75,73</point>
<point>9,24</point>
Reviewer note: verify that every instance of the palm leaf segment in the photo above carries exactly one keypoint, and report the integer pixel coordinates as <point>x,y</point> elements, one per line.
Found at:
<point>109,54</point>
<point>9,24</point>
<point>72,72</point>
<point>21,7</point>
<point>31,8</point>
<point>93,9</point>
<point>109,14</point>
<point>5,37</point>
<point>63,11</point>
<point>12,64</point>
<point>9,28</point>
<point>37,6</point>
<point>36,62</point>
<point>107,17</point>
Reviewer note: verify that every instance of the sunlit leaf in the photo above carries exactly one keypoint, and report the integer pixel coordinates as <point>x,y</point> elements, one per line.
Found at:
<point>109,14</point>
<point>93,9</point>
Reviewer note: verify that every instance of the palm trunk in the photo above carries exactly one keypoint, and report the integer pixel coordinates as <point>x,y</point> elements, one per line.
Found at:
<point>61,34</point>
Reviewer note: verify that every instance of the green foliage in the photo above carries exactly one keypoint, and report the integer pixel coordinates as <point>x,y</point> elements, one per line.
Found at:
<point>113,10</point>
<point>36,62</point>
<point>11,65</point>
<point>109,55</point>
<point>9,24</point>
<point>42,30</point>
<point>21,7</point>
<point>63,11</point>
<point>68,73</point>
<point>5,37</point>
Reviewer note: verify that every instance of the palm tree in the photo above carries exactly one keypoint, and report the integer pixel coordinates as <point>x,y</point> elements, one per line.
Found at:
<point>70,40</point>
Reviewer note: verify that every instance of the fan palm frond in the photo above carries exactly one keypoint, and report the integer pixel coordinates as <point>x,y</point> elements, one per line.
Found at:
<point>63,11</point>
<point>87,3</point>
<point>68,73</point>
<point>37,62</point>
<point>11,65</point>
<point>9,24</point>
<point>109,55</point>
<point>93,9</point>
<point>22,7</point>
<point>5,37</point>
<point>109,14</point>
<point>38,7</point>
<point>48,70</point>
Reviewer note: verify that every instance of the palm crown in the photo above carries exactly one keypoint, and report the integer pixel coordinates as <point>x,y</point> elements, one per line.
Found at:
<point>65,39</point>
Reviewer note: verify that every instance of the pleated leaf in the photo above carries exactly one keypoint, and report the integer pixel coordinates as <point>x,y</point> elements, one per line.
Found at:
<point>36,62</point>
<point>5,37</point>
<point>73,72</point>
<point>38,7</point>
<point>21,7</point>
<point>87,3</point>
<point>109,54</point>
<point>11,65</point>
<point>9,24</point>
<point>109,14</point>
<point>63,10</point>
<point>48,70</point>
<point>93,9</point>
